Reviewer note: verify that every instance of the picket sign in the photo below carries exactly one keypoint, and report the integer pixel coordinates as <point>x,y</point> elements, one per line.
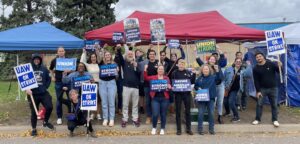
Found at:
<point>27,80</point>
<point>276,46</point>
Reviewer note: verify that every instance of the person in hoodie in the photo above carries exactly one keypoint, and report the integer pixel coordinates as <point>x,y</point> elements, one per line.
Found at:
<point>40,94</point>
<point>207,80</point>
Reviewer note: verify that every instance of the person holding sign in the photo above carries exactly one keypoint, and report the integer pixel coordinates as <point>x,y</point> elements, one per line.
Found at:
<point>205,86</point>
<point>160,86</point>
<point>92,65</point>
<point>221,61</point>
<point>264,74</point>
<point>56,76</point>
<point>234,76</point>
<point>78,117</point>
<point>181,85</point>
<point>40,94</point>
<point>108,88</point>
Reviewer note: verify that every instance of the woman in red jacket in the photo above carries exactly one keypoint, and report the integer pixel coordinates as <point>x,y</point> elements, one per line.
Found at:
<point>160,86</point>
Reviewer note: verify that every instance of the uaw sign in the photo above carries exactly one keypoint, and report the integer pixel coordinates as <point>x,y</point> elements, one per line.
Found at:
<point>26,77</point>
<point>89,96</point>
<point>275,42</point>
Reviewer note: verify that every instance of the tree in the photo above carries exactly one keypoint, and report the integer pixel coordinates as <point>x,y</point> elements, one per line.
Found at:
<point>80,16</point>
<point>28,11</point>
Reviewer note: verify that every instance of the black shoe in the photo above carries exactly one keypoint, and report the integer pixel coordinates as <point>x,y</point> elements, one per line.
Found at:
<point>178,133</point>
<point>244,108</point>
<point>34,133</point>
<point>71,134</point>
<point>235,119</point>
<point>92,134</point>
<point>201,133</point>
<point>141,110</point>
<point>212,132</point>
<point>220,119</point>
<point>189,132</point>
<point>48,125</point>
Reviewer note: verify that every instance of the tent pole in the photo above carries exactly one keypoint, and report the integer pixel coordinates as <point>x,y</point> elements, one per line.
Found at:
<point>19,91</point>
<point>187,52</point>
<point>287,102</point>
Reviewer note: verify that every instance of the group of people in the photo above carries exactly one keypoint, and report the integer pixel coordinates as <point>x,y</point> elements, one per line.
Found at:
<point>227,87</point>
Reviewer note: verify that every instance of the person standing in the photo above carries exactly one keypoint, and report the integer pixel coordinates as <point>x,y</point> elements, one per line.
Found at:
<point>184,96</point>
<point>264,74</point>
<point>40,94</point>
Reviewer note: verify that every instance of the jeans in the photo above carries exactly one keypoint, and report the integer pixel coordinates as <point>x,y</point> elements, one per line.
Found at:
<point>60,100</point>
<point>232,103</point>
<point>148,101</point>
<point>120,92</point>
<point>159,108</point>
<point>244,99</point>
<point>220,97</point>
<point>133,95</point>
<point>186,99</point>
<point>107,90</point>
<point>272,94</point>
<point>202,106</point>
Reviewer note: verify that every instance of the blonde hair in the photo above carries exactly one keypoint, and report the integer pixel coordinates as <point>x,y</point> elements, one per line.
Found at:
<point>209,67</point>
<point>73,91</point>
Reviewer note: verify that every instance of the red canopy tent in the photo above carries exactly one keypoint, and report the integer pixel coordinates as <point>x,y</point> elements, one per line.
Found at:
<point>191,26</point>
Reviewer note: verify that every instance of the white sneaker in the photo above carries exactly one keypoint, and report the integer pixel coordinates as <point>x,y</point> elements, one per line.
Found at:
<point>255,122</point>
<point>153,132</point>
<point>99,117</point>
<point>59,121</point>
<point>105,123</point>
<point>276,123</point>
<point>111,123</point>
<point>162,132</point>
<point>92,116</point>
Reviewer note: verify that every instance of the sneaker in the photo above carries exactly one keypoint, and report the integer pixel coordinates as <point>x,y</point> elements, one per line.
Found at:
<point>111,123</point>
<point>48,125</point>
<point>239,108</point>
<point>276,123</point>
<point>148,120</point>
<point>124,123</point>
<point>99,117</point>
<point>92,116</point>
<point>136,123</point>
<point>92,134</point>
<point>153,131</point>
<point>34,133</point>
<point>59,121</point>
<point>71,134</point>
<point>162,132</point>
<point>189,132</point>
<point>235,119</point>
<point>212,132</point>
<point>255,122</point>
<point>105,123</point>
<point>178,133</point>
<point>201,132</point>
<point>244,108</point>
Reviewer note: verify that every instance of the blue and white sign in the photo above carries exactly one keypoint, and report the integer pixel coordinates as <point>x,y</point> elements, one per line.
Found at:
<point>118,37</point>
<point>108,70</point>
<point>181,85</point>
<point>90,44</point>
<point>202,95</point>
<point>26,77</point>
<point>89,96</point>
<point>158,85</point>
<point>275,42</point>
<point>132,30</point>
<point>173,43</point>
<point>63,64</point>
<point>78,81</point>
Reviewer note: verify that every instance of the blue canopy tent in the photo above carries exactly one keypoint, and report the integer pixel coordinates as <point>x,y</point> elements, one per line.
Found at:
<point>37,37</point>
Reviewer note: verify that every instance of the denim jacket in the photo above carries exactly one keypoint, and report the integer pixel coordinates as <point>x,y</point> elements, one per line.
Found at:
<point>229,73</point>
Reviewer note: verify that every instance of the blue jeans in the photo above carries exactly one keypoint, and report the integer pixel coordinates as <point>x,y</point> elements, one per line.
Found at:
<point>148,101</point>
<point>220,97</point>
<point>159,107</point>
<point>120,92</point>
<point>202,106</point>
<point>107,90</point>
<point>272,94</point>
<point>232,103</point>
<point>60,100</point>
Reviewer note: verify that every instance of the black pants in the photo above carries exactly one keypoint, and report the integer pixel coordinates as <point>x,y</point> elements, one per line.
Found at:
<point>186,98</point>
<point>46,100</point>
<point>73,124</point>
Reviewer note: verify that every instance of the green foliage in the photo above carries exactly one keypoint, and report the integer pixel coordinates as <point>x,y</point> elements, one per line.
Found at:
<point>80,16</point>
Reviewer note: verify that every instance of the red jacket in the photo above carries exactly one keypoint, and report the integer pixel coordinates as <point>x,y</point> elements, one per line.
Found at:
<point>155,77</point>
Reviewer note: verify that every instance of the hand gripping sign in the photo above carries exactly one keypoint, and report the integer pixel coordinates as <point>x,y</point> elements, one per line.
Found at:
<point>89,96</point>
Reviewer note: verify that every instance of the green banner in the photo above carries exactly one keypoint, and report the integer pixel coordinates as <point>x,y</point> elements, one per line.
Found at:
<point>206,46</point>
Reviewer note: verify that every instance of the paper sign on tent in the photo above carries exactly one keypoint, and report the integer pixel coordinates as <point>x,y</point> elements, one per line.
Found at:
<point>275,42</point>
<point>26,77</point>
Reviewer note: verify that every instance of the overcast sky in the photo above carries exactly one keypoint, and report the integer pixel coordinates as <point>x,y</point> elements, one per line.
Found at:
<point>237,11</point>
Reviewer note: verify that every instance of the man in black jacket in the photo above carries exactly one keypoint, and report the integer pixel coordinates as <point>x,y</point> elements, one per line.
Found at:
<point>40,94</point>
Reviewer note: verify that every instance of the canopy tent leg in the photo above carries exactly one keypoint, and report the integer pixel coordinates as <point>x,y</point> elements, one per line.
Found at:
<point>287,102</point>
<point>18,97</point>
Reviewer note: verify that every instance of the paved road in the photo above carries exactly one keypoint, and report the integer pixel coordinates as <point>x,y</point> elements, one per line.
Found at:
<point>173,139</point>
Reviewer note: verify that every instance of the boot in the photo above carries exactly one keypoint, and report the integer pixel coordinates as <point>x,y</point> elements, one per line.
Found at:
<point>220,119</point>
